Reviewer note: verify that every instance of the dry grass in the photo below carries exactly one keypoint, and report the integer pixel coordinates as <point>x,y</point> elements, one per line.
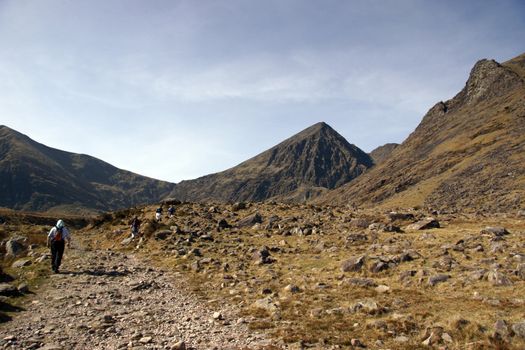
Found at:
<point>321,313</point>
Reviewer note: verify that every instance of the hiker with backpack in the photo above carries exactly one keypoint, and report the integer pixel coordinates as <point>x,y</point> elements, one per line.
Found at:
<point>158,213</point>
<point>171,211</point>
<point>135,227</point>
<point>56,240</point>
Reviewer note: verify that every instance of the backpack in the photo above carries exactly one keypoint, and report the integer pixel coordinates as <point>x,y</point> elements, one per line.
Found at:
<point>58,234</point>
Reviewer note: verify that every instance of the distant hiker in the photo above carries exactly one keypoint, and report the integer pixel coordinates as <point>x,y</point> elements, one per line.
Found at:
<point>158,214</point>
<point>171,211</point>
<point>55,240</point>
<point>135,227</point>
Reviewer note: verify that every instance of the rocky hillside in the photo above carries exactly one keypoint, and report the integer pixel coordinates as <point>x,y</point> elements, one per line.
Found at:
<point>467,153</point>
<point>311,162</point>
<point>36,177</point>
<point>382,153</point>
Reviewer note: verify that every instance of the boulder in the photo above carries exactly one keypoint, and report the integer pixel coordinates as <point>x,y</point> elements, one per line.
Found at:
<point>22,263</point>
<point>498,279</point>
<point>433,280</point>
<point>520,271</point>
<point>162,235</point>
<point>353,264</point>
<point>238,206</point>
<point>497,231</point>
<point>361,282</point>
<point>394,216</point>
<point>368,306</point>
<point>8,290</point>
<point>519,329</point>
<point>14,247</point>
<point>262,256</point>
<point>424,224</point>
<point>250,220</point>
<point>223,224</point>
<point>266,304</point>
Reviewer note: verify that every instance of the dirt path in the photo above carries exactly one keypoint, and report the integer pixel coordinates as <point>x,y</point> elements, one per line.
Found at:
<point>108,300</point>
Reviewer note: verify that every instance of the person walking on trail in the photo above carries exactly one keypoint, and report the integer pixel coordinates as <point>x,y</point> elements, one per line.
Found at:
<point>135,227</point>
<point>56,240</point>
<point>171,211</point>
<point>158,214</point>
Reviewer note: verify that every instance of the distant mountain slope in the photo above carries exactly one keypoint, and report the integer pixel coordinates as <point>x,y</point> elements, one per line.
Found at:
<point>37,177</point>
<point>301,167</point>
<point>468,152</point>
<point>382,153</point>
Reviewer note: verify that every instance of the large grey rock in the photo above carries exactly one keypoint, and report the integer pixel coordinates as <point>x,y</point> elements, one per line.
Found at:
<point>498,278</point>
<point>266,304</point>
<point>250,220</point>
<point>22,263</point>
<point>424,224</point>
<point>8,290</point>
<point>14,247</point>
<point>353,264</point>
<point>163,234</point>
<point>519,329</point>
<point>497,231</point>
<point>433,280</point>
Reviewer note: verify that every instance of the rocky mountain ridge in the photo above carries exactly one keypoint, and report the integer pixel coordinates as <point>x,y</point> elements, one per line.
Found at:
<point>305,165</point>
<point>36,177</point>
<point>467,152</point>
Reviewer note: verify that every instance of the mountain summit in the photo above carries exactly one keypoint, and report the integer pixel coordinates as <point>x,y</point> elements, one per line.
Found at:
<point>36,177</point>
<point>466,154</point>
<point>309,163</point>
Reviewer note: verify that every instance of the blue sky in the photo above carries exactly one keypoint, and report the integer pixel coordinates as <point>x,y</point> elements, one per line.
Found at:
<point>179,89</point>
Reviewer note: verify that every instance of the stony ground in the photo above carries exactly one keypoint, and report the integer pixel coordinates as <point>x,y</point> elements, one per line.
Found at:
<point>109,300</point>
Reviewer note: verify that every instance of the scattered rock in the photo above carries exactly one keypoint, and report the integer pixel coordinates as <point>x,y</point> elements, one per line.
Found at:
<point>23,288</point>
<point>146,340</point>
<point>14,247</point>
<point>368,306</point>
<point>424,224</point>
<point>498,279</point>
<point>179,346</point>
<point>292,289</point>
<point>394,216</point>
<point>520,271</point>
<point>266,304</point>
<point>501,329</point>
<point>361,282</point>
<point>238,206</point>
<point>162,235</point>
<point>251,220</point>
<point>519,329</point>
<point>22,263</point>
<point>353,264</point>
<point>382,289</point>
<point>262,256</point>
<point>497,231</point>
<point>433,280</point>
<point>223,224</point>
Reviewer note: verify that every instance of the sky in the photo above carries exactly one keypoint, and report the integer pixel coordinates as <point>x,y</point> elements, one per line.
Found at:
<point>175,90</point>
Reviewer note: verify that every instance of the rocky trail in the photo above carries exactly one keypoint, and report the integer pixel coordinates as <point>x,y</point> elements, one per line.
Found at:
<point>110,300</point>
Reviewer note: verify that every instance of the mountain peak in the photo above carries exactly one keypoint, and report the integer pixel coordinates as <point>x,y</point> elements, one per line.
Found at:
<point>304,165</point>
<point>487,79</point>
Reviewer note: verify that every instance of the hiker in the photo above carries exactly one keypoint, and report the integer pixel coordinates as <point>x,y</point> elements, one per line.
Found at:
<point>171,211</point>
<point>158,213</point>
<point>56,238</point>
<point>135,226</point>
